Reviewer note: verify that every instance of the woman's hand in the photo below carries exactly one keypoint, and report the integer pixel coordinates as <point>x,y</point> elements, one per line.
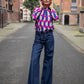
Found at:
<point>41,6</point>
<point>51,6</point>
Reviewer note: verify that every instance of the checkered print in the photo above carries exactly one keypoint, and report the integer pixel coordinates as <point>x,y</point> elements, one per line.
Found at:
<point>44,18</point>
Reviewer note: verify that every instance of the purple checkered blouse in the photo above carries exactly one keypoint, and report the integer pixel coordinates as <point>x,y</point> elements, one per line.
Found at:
<point>44,18</point>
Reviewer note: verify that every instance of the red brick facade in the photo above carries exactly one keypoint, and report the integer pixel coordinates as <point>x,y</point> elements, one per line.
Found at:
<point>12,17</point>
<point>3,14</point>
<point>82,16</point>
<point>16,5</point>
<point>10,12</point>
<point>69,12</point>
<point>66,5</point>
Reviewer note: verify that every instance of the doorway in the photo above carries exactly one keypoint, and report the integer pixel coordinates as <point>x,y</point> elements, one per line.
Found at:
<point>66,20</point>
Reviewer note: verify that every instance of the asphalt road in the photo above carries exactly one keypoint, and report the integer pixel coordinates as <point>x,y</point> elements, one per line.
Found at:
<point>15,55</point>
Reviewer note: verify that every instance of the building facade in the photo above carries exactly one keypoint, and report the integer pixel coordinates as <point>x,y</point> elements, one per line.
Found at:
<point>69,12</point>
<point>24,12</point>
<point>3,14</point>
<point>82,16</point>
<point>0,14</point>
<point>9,12</point>
<point>13,10</point>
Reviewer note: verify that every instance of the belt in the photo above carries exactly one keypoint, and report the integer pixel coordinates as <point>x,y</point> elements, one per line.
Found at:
<point>44,31</point>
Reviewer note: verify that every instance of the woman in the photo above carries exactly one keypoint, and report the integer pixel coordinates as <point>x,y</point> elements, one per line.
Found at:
<point>43,16</point>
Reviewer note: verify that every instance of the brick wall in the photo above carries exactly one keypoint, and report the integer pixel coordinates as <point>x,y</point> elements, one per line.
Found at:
<point>0,2</point>
<point>0,18</point>
<point>66,5</point>
<point>73,19</point>
<point>82,20</point>
<point>3,18</point>
<point>12,17</point>
<point>4,3</point>
<point>78,6</point>
<point>15,5</point>
<point>9,16</point>
<point>67,9</point>
<point>82,17</point>
<point>83,3</point>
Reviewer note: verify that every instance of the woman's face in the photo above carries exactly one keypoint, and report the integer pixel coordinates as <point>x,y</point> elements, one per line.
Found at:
<point>46,2</point>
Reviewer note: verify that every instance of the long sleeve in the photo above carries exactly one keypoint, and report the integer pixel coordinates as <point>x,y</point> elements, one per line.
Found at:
<point>36,13</point>
<point>54,14</point>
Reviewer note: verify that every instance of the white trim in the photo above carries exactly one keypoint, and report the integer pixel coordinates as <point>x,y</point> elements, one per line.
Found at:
<point>63,19</point>
<point>79,19</point>
<point>80,3</point>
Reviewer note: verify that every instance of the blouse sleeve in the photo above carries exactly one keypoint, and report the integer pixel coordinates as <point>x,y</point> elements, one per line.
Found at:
<point>54,14</point>
<point>36,13</point>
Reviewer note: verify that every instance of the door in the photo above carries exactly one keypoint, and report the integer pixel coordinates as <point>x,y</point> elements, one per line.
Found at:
<point>66,18</point>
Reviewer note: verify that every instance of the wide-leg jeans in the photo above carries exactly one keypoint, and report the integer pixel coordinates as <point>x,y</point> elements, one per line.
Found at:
<point>41,40</point>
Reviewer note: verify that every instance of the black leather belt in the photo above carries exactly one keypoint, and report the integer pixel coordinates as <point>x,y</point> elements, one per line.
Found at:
<point>44,31</point>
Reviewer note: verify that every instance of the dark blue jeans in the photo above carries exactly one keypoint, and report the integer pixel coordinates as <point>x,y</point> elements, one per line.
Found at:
<point>41,40</point>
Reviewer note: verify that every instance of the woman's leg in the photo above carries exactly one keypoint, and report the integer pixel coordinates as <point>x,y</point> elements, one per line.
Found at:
<point>48,59</point>
<point>33,77</point>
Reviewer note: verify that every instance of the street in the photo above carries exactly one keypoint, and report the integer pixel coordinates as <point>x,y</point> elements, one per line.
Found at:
<point>15,55</point>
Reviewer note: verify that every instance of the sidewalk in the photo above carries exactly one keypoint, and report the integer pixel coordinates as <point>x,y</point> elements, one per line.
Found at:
<point>10,28</point>
<point>72,35</point>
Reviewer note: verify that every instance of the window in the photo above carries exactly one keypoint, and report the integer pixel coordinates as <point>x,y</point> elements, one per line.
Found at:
<point>73,1</point>
<point>10,4</point>
<point>10,7</point>
<point>74,6</point>
<point>10,1</point>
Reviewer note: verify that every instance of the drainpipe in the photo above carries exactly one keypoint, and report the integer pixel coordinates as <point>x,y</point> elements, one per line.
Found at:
<point>2,13</point>
<point>79,12</point>
<point>80,3</point>
<point>19,10</point>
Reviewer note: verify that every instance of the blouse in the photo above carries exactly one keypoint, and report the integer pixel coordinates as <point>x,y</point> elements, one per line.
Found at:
<point>44,18</point>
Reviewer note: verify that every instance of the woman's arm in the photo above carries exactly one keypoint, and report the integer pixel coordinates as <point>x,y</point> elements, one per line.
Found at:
<point>36,13</point>
<point>54,14</point>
